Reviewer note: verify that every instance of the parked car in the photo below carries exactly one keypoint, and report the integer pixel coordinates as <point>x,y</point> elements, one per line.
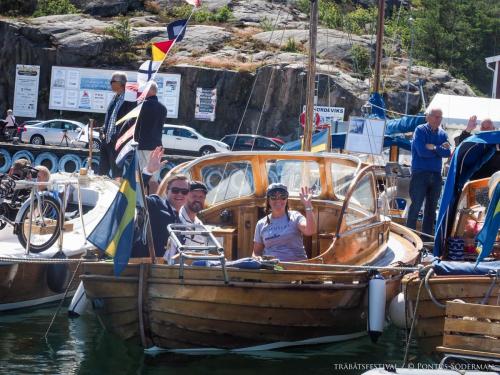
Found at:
<point>250,142</point>
<point>52,132</point>
<point>186,140</point>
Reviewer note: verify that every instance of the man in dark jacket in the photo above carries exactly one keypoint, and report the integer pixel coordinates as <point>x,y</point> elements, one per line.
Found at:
<point>486,125</point>
<point>118,107</point>
<point>148,130</point>
<point>162,212</point>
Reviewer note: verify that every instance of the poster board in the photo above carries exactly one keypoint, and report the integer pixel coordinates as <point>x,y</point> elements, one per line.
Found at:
<point>88,90</point>
<point>365,135</point>
<point>328,115</point>
<point>26,90</point>
<point>206,102</point>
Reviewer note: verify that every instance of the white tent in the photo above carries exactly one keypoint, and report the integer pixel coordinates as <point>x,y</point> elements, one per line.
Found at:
<point>457,109</point>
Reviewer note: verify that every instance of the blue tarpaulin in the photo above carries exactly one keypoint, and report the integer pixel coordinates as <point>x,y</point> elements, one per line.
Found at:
<point>405,124</point>
<point>464,268</point>
<point>468,157</point>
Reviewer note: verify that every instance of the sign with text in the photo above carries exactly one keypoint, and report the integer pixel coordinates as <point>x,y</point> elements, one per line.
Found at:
<point>89,90</point>
<point>328,115</point>
<point>26,90</point>
<point>206,101</point>
<point>365,135</point>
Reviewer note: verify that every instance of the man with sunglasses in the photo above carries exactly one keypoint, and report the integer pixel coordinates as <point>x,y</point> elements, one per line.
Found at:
<point>195,202</point>
<point>162,212</point>
<point>117,108</point>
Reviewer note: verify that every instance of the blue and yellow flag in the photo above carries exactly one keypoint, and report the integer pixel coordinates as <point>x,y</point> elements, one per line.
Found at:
<point>488,234</point>
<point>319,143</point>
<point>114,234</point>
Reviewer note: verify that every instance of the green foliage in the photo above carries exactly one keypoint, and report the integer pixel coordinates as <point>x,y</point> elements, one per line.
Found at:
<point>361,21</point>
<point>290,45</point>
<point>203,15</point>
<point>360,60</point>
<point>458,35</point>
<point>303,5</point>
<point>266,24</point>
<point>181,11</point>
<point>17,7</point>
<point>121,32</point>
<point>329,14</point>
<point>51,7</point>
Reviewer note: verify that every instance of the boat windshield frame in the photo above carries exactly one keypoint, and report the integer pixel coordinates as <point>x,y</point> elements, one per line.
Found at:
<point>256,164</point>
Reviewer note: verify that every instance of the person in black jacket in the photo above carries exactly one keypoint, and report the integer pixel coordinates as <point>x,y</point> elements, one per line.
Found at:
<point>161,211</point>
<point>148,130</point>
<point>486,125</point>
<point>118,107</point>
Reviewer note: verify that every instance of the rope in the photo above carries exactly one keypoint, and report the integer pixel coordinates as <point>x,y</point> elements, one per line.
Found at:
<point>357,267</point>
<point>395,112</point>
<point>42,260</point>
<point>62,300</point>
<point>414,318</point>
<point>428,287</point>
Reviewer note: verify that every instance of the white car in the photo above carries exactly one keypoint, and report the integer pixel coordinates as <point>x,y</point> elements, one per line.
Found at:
<point>186,140</point>
<point>52,132</point>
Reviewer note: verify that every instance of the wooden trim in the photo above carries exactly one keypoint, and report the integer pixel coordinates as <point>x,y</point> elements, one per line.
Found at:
<point>459,325</point>
<point>472,309</point>
<point>472,343</point>
<point>474,353</point>
<point>140,298</point>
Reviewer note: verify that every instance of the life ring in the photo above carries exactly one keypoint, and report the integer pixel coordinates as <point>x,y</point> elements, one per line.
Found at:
<point>212,178</point>
<point>23,154</point>
<point>165,169</point>
<point>236,183</point>
<point>49,160</point>
<point>95,163</point>
<point>7,160</point>
<point>58,274</point>
<point>63,163</point>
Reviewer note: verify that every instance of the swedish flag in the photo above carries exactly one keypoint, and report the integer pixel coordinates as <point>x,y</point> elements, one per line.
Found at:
<point>488,233</point>
<point>319,143</point>
<point>113,235</point>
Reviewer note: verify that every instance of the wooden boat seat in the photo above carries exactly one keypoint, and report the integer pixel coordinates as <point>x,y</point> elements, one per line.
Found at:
<point>471,329</point>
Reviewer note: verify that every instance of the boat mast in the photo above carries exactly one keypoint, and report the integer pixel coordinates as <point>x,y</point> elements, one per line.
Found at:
<point>379,45</point>
<point>311,77</point>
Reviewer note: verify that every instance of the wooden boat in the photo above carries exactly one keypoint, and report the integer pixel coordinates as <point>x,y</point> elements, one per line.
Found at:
<point>298,303</point>
<point>28,279</point>
<point>429,296</point>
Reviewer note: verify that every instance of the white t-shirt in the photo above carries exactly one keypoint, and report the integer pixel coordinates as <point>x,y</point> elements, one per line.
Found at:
<point>195,240</point>
<point>282,237</point>
<point>11,121</point>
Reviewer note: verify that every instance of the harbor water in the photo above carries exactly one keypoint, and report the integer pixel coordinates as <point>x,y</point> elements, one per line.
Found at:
<point>82,346</point>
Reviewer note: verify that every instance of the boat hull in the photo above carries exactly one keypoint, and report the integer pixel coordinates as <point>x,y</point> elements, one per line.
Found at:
<point>27,285</point>
<point>256,309</point>
<point>430,317</point>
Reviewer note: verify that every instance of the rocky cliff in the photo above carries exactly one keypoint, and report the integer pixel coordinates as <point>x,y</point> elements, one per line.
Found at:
<point>253,69</point>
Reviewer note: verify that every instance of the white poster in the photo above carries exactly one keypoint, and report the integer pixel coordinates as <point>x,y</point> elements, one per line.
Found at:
<point>73,79</point>
<point>93,90</point>
<point>328,115</point>
<point>365,135</point>
<point>206,101</point>
<point>26,90</point>
<point>71,99</point>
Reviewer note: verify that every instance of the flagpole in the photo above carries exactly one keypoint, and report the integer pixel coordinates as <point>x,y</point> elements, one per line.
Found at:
<point>149,232</point>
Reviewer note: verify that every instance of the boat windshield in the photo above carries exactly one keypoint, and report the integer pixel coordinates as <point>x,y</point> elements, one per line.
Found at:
<point>294,174</point>
<point>228,181</point>
<point>342,176</point>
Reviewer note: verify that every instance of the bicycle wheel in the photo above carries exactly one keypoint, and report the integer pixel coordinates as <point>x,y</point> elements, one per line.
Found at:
<point>45,227</point>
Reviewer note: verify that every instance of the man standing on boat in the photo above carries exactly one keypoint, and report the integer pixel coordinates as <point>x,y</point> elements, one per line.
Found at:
<point>429,146</point>
<point>118,107</point>
<point>162,212</point>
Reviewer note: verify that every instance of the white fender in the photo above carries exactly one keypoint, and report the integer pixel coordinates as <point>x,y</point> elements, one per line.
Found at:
<point>397,311</point>
<point>376,306</point>
<point>79,303</point>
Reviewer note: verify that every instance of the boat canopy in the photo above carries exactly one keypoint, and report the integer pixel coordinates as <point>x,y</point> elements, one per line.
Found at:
<point>445,268</point>
<point>457,109</point>
<point>467,159</point>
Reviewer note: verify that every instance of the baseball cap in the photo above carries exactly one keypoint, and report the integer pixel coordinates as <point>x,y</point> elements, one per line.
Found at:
<point>198,185</point>
<point>276,187</point>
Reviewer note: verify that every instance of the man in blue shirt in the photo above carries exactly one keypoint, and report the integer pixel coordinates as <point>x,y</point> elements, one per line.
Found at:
<point>430,144</point>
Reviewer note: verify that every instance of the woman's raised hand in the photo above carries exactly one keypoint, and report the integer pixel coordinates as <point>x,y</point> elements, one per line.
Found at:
<point>306,196</point>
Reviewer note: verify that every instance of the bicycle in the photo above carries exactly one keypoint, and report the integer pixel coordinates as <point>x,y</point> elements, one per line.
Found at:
<point>34,214</point>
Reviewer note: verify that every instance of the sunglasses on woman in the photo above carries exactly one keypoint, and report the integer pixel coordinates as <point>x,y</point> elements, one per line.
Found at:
<point>276,197</point>
<point>176,190</point>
